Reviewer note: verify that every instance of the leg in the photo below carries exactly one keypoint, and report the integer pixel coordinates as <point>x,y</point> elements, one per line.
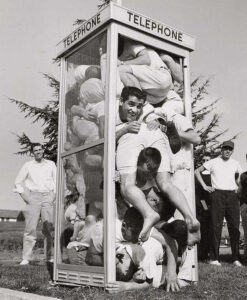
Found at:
<point>127,77</point>
<point>32,215</point>
<point>47,218</point>
<point>217,217</point>
<point>233,220</point>
<point>244,224</point>
<point>177,198</point>
<point>137,198</point>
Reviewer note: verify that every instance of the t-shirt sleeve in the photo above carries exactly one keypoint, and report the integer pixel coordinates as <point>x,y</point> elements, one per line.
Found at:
<point>208,165</point>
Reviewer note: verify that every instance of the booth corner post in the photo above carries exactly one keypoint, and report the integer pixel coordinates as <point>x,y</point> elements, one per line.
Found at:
<point>86,160</point>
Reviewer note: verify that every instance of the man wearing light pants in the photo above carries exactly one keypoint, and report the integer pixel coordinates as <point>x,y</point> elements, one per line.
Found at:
<point>36,184</point>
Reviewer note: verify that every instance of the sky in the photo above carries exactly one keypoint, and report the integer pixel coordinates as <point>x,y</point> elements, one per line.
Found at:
<point>30,30</point>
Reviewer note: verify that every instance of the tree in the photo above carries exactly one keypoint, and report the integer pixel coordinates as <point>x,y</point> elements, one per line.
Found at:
<point>48,116</point>
<point>205,120</point>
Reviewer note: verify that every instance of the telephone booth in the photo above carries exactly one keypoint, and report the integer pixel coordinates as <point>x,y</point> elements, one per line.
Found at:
<point>87,139</point>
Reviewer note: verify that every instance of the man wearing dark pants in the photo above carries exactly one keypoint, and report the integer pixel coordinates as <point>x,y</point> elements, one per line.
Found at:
<point>36,183</point>
<point>225,173</point>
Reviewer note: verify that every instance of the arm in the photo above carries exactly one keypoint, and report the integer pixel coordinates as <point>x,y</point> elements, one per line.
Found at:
<point>22,175</point>
<point>175,68</point>
<point>189,136</point>
<point>130,127</point>
<point>240,189</point>
<point>171,248</point>
<point>77,110</point>
<point>121,286</point>
<point>142,58</point>
<point>198,175</point>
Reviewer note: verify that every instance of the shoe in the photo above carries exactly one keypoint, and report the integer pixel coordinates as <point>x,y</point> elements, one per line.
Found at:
<point>24,262</point>
<point>237,263</point>
<point>215,263</point>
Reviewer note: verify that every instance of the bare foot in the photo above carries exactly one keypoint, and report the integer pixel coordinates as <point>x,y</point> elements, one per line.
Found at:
<point>194,234</point>
<point>149,222</point>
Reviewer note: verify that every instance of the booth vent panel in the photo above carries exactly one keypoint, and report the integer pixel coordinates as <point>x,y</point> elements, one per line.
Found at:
<point>80,278</point>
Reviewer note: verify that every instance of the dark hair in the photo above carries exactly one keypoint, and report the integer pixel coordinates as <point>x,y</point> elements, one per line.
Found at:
<point>129,274</point>
<point>152,157</point>
<point>177,230</point>
<point>93,72</point>
<point>132,91</point>
<point>33,145</point>
<point>134,219</point>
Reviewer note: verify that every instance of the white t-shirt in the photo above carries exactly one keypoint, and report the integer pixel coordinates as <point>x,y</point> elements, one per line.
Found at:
<point>152,261</point>
<point>223,173</point>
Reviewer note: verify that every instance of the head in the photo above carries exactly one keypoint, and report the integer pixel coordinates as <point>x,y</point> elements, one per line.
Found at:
<point>93,72</point>
<point>206,157</point>
<point>131,104</point>
<point>177,230</point>
<point>125,267</point>
<point>38,151</point>
<point>227,149</point>
<point>132,225</point>
<point>128,258</point>
<point>148,161</point>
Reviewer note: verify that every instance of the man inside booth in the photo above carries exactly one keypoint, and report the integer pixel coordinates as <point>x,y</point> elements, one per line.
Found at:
<point>135,132</point>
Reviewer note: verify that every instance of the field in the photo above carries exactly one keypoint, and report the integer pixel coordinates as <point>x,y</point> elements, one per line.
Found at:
<point>225,283</point>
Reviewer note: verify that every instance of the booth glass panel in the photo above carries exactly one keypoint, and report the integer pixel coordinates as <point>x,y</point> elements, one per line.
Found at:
<point>85,93</point>
<point>82,205</point>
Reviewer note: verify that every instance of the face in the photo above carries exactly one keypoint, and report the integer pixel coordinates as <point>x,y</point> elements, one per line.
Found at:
<point>123,261</point>
<point>205,158</point>
<point>127,231</point>
<point>131,108</point>
<point>38,153</point>
<point>226,152</point>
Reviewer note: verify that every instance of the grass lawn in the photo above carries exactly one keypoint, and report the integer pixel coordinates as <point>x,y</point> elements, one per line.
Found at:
<point>226,282</point>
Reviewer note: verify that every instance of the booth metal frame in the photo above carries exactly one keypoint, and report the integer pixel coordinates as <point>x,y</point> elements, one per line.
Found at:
<point>116,20</point>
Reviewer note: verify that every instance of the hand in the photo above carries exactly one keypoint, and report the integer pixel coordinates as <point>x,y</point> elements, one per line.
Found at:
<point>25,197</point>
<point>115,287</point>
<point>139,276</point>
<point>91,116</point>
<point>153,125</point>
<point>172,282</point>
<point>209,189</point>
<point>117,177</point>
<point>133,127</point>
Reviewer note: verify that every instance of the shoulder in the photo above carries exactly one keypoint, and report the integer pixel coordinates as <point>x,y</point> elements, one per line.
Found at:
<point>50,162</point>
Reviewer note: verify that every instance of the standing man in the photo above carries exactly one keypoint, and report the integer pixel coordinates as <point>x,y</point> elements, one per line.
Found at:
<point>225,173</point>
<point>36,184</point>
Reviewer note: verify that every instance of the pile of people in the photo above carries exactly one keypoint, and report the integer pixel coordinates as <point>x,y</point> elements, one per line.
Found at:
<point>153,160</point>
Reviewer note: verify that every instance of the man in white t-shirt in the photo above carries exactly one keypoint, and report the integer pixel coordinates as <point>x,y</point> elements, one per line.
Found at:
<point>225,173</point>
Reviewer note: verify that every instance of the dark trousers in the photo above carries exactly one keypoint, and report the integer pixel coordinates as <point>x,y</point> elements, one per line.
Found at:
<point>225,204</point>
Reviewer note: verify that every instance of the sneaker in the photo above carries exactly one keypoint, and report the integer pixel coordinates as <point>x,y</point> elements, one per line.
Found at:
<point>215,263</point>
<point>237,263</point>
<point>24,262</point>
